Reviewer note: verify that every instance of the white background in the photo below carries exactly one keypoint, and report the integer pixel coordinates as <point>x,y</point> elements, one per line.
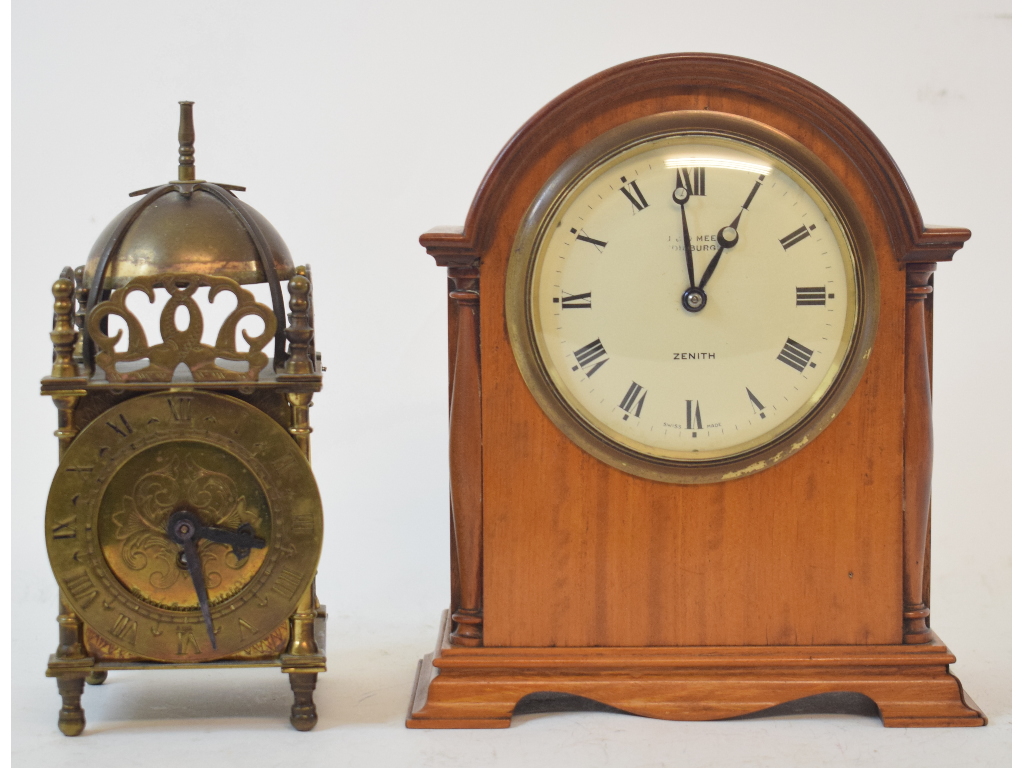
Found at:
<point>358,126</point>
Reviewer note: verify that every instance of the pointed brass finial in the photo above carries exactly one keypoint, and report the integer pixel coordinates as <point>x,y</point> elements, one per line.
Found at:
<point>186,140</point>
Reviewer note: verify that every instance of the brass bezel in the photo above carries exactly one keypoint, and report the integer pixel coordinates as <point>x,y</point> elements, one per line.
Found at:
<point>600,153</point>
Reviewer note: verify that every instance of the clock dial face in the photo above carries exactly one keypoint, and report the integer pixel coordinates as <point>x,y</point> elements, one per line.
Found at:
<point>220,466</point>
<point>152,485</point>
<point>691,298</point>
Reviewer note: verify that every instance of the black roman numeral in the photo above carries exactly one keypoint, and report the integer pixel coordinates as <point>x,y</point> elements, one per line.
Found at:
<point>577,301</point>
<point>795,237</point>
<point>581,235</point>
<point>750,197</point>
<point>592,355</point>
<point>633,402</point>
<point>696,187</point>
<point>124,423</point>
<point>756,403</point>
<point>636,197</point>
<point>810,297</point>
<point>796,355</point>
<point>693,415</point>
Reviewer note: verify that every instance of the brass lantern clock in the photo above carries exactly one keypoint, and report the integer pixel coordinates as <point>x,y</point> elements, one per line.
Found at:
<point>690,416</point>
<point>184,524</point>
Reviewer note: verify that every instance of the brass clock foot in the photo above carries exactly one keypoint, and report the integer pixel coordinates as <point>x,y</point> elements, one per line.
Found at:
<point>97,677</point>
<point>71,720</point>
<point>304,715</point>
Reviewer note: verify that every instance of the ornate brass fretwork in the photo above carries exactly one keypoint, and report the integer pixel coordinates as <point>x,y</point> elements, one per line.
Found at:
<point>180,346</point>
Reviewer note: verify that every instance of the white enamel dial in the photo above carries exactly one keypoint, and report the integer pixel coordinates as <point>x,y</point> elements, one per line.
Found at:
<point>699,366</point>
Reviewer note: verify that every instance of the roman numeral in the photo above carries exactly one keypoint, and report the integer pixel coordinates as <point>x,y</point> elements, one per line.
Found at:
<point>302,522</point>
<point>581,235</point>
<point>756,403</point>
<point>124,423</point>
<point>633,402</point>
<point>125,629</point>
<point>810,297</point>
<point>283,463</point>
<point>592,354</point>
<point>245,628</point>
<point>636,197</point>
<point>750,197</point>
<point>181,408</point>
<point>693,415</point>
<point>796,355</point>
<point>187,642</point>
<point>64,530</point>
<point>697,186</point>
<point>287,582</point>
<point>577,301</point>
<point>795,237</point>
<point>82,589</point>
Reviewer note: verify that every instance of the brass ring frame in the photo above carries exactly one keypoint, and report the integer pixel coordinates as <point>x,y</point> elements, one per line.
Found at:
<point>85,555</point>
<point>537,220</point>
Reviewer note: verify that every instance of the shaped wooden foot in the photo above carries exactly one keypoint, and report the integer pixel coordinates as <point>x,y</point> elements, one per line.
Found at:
<point>459,687</point>
<point>97,677</point>
<point>71,720</point>
<point>303,709</point>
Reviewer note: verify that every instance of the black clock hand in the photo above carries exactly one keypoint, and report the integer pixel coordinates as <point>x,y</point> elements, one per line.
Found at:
<point>680,195</point>
<point>182,528</point>
<point>728,236</point>
<point>240,541</point>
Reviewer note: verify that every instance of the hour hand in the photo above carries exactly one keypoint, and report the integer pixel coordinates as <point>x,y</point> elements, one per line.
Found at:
<point>182,528</point>
<point>241,540</point>
<point>680,195</point>
<point>727,238</point>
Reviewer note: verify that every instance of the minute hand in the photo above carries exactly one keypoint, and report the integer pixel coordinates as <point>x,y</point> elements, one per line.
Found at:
<point>728,236</point>
<point>181,527</point>
<point>680,195</point>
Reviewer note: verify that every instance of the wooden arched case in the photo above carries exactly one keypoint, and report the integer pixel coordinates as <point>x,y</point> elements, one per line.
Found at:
<point>705,601</point>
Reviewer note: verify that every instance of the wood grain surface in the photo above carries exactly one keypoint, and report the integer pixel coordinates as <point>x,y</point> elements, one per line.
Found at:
<point>815,552</point>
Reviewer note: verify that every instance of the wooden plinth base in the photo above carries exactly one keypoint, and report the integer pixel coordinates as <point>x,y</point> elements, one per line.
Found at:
<point>480,687</point>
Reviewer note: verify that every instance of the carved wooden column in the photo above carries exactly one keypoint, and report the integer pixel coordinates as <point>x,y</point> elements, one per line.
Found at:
<point>466,459</point>
<point>917,468</point>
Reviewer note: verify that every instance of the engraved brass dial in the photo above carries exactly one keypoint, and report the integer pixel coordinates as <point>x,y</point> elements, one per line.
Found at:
<point>211,459</point>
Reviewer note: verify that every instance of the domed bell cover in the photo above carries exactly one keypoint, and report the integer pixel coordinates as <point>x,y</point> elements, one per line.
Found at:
<point>188,226</point>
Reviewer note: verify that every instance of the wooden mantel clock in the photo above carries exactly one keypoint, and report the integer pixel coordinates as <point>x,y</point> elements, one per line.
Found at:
<point>184,524</point>
<point>690,331</point>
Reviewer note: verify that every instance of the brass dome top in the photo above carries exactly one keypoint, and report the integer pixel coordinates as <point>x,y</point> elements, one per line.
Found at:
<point>188,226</point>
<point>194,231</point>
